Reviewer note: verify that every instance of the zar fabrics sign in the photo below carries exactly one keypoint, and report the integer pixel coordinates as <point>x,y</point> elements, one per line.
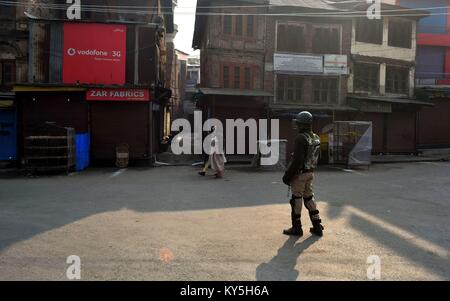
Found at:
<point>118,95</point>
<point>94,54</point>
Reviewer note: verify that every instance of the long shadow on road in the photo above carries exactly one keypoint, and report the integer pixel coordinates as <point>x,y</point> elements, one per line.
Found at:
<point>432,261</point>
<point>30,206</point>
<point>282,266</point>
<point>395,195</point>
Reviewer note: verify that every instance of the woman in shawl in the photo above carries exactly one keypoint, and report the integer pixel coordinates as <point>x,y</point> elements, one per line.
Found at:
<point>216,158</point>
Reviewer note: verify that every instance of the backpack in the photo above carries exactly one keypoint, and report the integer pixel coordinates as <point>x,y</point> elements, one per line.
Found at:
<point>313,151</point>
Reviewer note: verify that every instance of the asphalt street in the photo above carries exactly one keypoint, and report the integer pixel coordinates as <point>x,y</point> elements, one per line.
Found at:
<point>168,223</point>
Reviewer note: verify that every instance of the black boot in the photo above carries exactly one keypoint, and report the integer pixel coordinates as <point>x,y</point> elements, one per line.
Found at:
<point>317,228</point>
<point>296,229</point>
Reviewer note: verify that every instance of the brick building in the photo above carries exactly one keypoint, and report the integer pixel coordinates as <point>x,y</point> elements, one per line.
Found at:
<point>275,58</point>
<point>13,69</point>
<point>101,72</point>
<point>306,66</point>
<point>248,54</point>
<point>232,60</point>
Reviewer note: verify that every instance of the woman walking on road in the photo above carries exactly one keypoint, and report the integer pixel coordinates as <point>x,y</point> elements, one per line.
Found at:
<point>216,159</point>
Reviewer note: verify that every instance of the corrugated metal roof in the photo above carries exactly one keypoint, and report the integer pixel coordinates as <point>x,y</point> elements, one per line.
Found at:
<point>7,95</point>
<point>392,100</point>
<point>234,92</point>
<point>6,103</point>
<point>314,4</point>
<point>292,112</point>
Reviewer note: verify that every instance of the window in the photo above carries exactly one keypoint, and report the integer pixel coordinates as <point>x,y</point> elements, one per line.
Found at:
<point>291,38</point>
<point>325,90</point>
<point>289,89</point>
<point>192,77</point>
<point>7,73</point>
<point>369,31</point>
<point>247,78</point>
<point>238,26</point>
<point>8,12</point>
<point>234,25</point>
<point>326,40</point>
<point>250,26</point>
<point>227,24</point>
<point>400,34</point>
<point>366,77</point>
<point>237,77</point>
<point>226,77</point>
<point>397,79</point>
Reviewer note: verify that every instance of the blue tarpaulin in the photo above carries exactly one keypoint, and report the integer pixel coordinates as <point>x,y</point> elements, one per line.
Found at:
<point>8,135</point>
<point>83,145</point>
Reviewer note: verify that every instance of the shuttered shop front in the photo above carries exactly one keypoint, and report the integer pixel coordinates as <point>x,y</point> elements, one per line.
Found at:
<point>118,117</point>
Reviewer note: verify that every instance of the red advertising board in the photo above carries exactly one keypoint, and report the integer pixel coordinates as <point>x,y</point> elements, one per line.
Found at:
<point>94,53</point>
<point>101,94</point>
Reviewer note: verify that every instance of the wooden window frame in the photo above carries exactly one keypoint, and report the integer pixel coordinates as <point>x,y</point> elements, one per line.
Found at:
<point>227,85</point>
<point>232,75</point>
<point>277,36</point>
<point>405,41</point>
<point>8,12</point>
<point>329,27</point>
<point>244,35</point>
<point>247,70</point>
<point>361,34</point>
<point>235,32</point>
<point>224,31</point>
<point>391,82</point>
<point>362,66</point>
<point>237,76</point>
<point>325,90</point>
<point>298,92</point>
<point>247,26</point>
<point>9,84</point>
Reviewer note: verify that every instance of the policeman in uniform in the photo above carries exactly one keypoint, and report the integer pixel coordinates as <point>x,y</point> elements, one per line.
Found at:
<point>300,174</point>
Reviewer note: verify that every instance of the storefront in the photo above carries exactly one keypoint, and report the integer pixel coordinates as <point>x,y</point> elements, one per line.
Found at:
<point>323,119</point>
<point>120,116</point>
<point>108,117</point>
<point>225,104</point>
<point>395,122</point>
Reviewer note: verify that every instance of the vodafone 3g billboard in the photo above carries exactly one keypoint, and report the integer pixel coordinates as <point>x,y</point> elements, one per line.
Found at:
<point>94,54</point>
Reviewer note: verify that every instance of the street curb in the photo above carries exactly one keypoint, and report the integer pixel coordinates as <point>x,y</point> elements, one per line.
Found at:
<point>413,161</point>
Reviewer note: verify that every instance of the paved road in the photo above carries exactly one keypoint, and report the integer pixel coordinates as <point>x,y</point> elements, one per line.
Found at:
<point>169,224</point>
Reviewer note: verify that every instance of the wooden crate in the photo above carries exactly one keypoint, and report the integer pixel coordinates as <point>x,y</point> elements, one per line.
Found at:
<point>50,148</point>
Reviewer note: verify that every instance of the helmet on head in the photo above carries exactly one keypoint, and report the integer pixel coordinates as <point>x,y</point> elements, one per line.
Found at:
<point>304,118</point>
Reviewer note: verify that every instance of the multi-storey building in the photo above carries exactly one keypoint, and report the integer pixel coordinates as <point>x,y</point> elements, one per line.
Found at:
<point>232,43</point>
<point>13,69</point>
<point>382,78</point>
<point>101,70</point>
<point>433,71</point>
<point>306,63</point>
<point>260,62</point>
<point>179,83</point>
<point>277,57</point>
<point>192,81</point>
<point>193,71</point>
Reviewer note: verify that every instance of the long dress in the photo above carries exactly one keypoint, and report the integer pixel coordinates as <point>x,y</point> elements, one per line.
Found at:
<point>216,159</point>
<point>218,163</point>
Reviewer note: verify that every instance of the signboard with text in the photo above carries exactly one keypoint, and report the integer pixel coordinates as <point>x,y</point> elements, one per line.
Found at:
<point>335,64</point>
<point>293,63</point>
<point>101,94</point>
<point>94,54</point>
